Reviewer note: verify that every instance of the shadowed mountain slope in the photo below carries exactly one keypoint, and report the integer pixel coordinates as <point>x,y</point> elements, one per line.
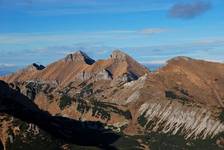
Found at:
<point>81,133</point>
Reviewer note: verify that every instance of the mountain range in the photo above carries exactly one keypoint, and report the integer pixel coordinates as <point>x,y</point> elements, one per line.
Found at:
<point>117,100</point>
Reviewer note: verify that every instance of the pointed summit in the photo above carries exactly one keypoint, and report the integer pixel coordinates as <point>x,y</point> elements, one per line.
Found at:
<point>118,55</point>
<point>79,56</point>
<point>125,67</point>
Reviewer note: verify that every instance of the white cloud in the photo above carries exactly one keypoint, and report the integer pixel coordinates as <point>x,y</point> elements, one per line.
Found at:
<point>153,30</point>
<point>215,60</point>
<point>7,65</point>
<point>154,62</point>
<point>79,37</point>
<point>210,41</point>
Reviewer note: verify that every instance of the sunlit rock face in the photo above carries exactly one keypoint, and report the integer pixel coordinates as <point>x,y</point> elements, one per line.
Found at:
<point>101,75</point>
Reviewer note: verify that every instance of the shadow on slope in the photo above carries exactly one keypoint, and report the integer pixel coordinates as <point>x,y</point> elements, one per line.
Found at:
<point>1,146</point>
<point>13,103</point>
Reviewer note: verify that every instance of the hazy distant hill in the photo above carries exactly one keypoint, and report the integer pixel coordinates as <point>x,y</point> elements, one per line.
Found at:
<point>7,70</point>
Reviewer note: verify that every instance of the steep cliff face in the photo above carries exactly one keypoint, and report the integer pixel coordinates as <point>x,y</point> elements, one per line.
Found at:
<point>183,99</point>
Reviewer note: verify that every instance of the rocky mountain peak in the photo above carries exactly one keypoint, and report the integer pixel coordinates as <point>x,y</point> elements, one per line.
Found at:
<point>79,56</point>
<point>180,58</point>
<point>118,55</point>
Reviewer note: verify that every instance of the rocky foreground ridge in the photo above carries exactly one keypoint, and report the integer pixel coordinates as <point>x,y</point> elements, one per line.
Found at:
<point>182,101</point>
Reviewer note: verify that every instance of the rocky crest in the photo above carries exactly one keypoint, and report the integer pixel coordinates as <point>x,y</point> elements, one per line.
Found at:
<point>118,55</point>
<point>79,57</point>
<point>81,66</point>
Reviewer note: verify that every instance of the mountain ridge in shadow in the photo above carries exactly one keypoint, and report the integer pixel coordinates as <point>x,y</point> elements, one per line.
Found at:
<point>88,133</point>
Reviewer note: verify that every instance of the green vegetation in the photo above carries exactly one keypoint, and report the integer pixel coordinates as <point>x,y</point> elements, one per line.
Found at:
<point>142,120</point>
<point>65,101</point>
<point>98,111</point>
<point>111,108</point>
<point>161,141</point>
<point>86,101</point>
<point>83,107</point>
<point>87,90</point>
<point>172,95</point>
<point>221,116</point>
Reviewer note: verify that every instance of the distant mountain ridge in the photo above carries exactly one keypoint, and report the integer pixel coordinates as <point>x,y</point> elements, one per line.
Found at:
<point>83,67</point>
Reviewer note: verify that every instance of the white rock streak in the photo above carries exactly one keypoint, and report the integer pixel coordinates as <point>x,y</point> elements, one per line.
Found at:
<point>192,122</point>
<point>134,97</point>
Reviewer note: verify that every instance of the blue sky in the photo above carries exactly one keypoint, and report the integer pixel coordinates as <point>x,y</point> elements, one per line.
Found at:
<point>152,31</point>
